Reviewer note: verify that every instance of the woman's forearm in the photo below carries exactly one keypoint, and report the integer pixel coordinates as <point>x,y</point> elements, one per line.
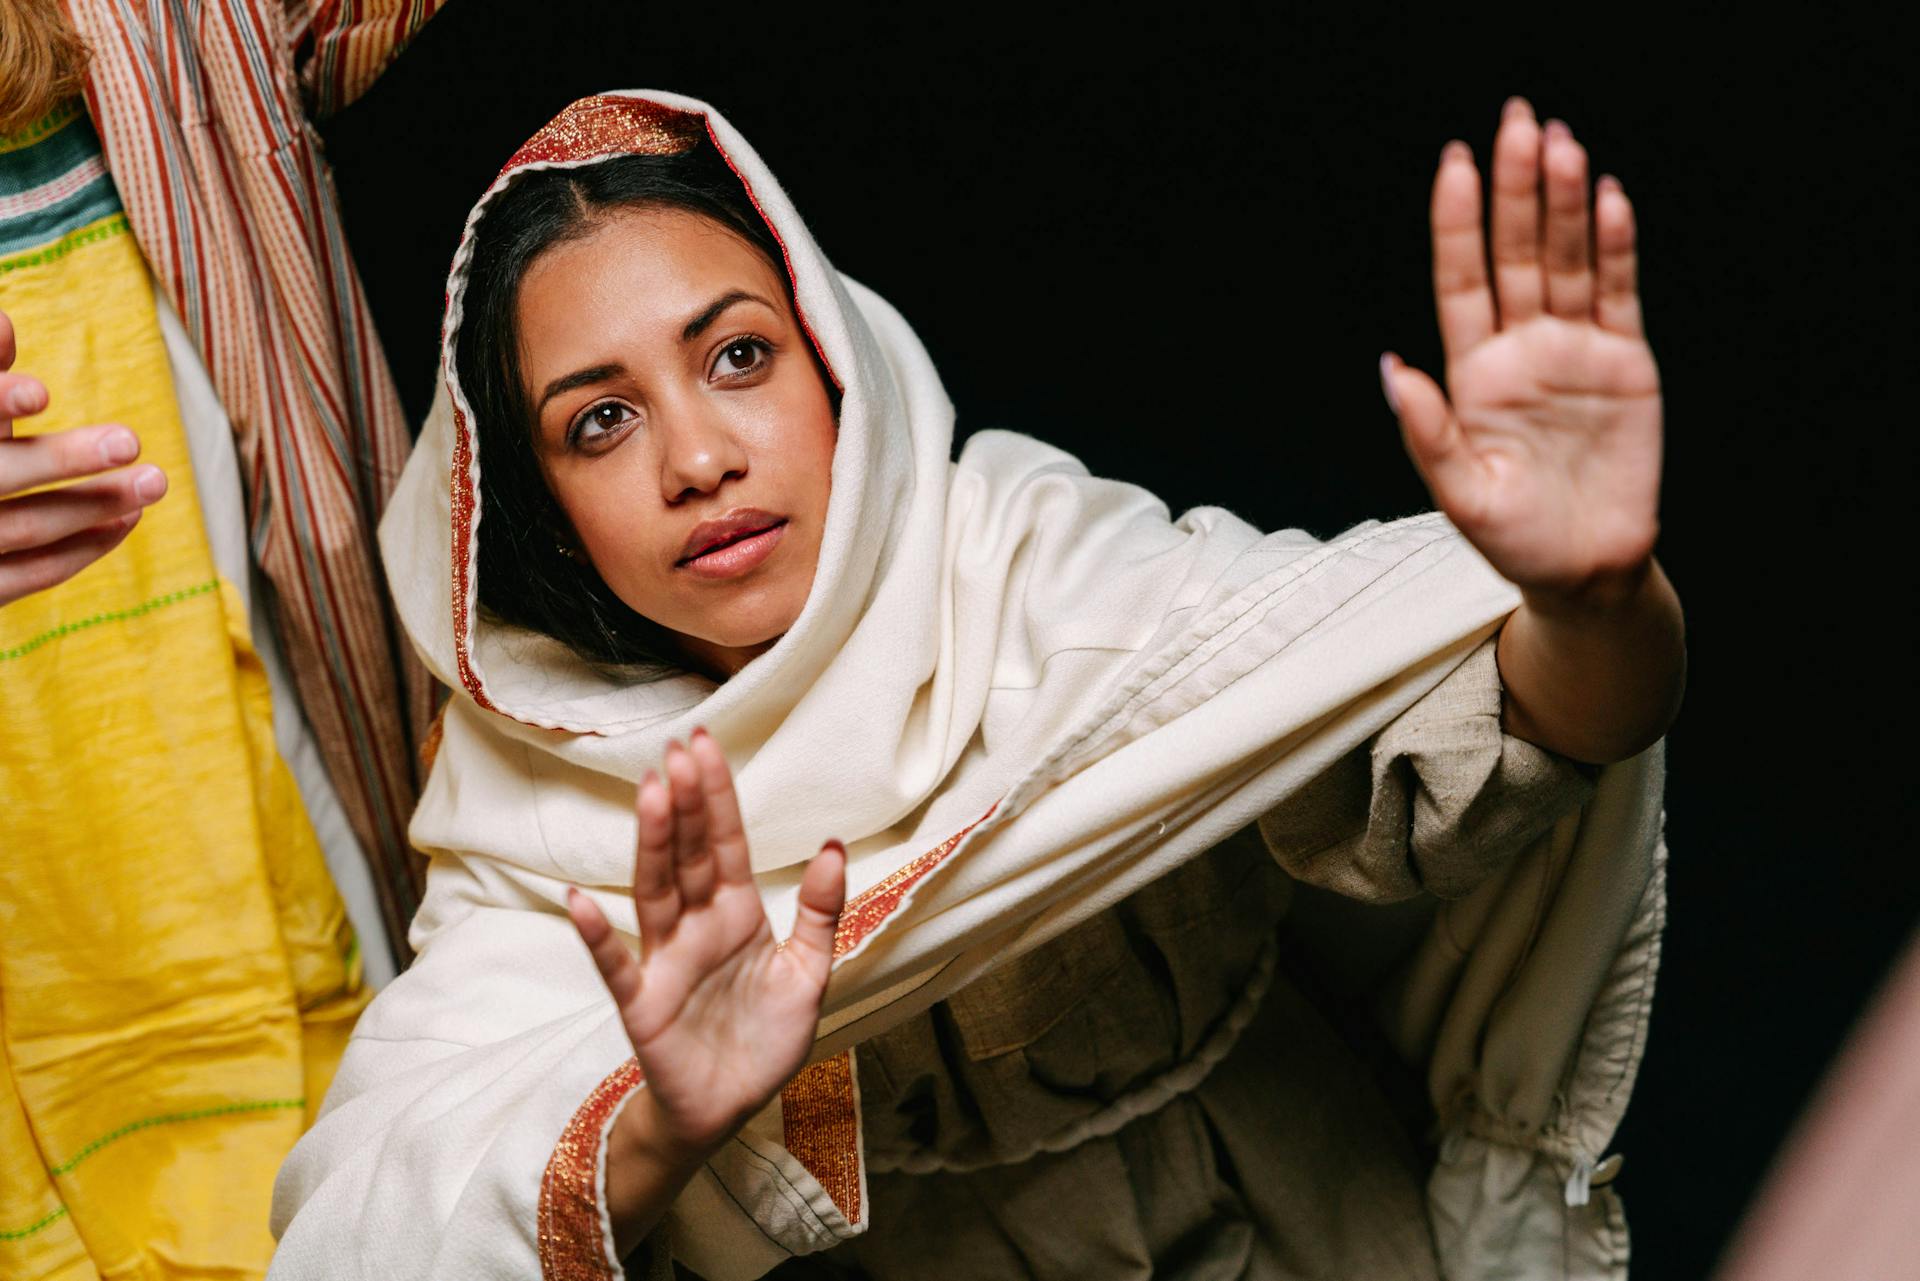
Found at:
<point>1598,679</point>
<point>645,1171</point>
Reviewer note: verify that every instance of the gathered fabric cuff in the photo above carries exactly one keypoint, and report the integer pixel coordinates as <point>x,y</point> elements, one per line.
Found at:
<point>1437,801</point>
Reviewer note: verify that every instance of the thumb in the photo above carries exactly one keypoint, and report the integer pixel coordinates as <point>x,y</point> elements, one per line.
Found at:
<point>823,892</point>
<point>1430,432</point>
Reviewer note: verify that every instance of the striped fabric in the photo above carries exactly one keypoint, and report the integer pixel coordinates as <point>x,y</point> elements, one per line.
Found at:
<point>56,184</point>
<point>353,42</point>
<point>202,111</point>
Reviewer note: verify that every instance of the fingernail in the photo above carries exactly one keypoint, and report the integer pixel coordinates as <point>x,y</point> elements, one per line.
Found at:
<point>1608,180</point>
<point>1455,150</point>
<point>1516,105</point>
<point>120,447</point>
<point>700,731</point>
<point>23,400</point>
<point>1386,381</point>
<point>151,483</point>
<point>1557,128</point>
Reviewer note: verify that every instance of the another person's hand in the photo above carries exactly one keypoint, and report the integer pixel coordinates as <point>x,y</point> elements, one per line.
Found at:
<point>1548,457</point>
<point>721,1014</point>
<point>49,536</point>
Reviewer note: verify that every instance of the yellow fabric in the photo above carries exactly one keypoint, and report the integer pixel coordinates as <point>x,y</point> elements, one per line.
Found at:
<point>177,973</point>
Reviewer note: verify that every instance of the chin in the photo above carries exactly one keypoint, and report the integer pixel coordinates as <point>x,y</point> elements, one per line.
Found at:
<point>758,628</point>
<point>753,618</point>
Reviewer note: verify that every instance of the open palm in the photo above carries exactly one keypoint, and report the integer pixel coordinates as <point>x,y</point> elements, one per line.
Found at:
<point>1547,458</point>
<point>720,1013</point>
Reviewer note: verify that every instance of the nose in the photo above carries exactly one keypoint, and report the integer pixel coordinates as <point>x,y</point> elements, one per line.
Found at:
<point>698,451</point>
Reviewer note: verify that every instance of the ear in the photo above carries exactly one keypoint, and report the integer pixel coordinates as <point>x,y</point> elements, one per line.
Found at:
<point>559,531</point>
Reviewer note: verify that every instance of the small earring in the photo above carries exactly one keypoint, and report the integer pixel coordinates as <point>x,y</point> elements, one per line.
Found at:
<point>565,550</point>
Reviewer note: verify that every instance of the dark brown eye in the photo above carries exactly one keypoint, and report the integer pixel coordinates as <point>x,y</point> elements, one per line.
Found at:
<point>739,357</point>
<point>599,421</point>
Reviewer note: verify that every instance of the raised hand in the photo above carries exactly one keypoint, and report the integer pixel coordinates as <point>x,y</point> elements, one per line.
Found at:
<point>720,1014</point>
<point>1547,458</point>
<point>49,536</point>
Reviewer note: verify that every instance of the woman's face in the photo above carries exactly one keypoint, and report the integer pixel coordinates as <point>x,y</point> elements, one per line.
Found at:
<point>673,386</point>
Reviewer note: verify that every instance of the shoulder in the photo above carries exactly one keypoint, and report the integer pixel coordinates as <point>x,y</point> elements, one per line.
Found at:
<point>1019,483</point>
<point>995,451</point>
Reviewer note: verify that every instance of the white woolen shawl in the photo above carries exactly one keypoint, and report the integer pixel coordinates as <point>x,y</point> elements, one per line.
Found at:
<point>1084,689</point>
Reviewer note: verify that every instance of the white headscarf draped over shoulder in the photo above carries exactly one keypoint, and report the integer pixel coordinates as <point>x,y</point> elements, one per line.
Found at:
<point>1017,691</point>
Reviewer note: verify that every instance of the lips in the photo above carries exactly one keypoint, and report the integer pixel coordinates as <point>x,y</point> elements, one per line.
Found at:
<point>741,522</point>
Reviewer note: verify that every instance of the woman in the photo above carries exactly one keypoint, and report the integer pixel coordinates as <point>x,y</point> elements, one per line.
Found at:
<point>1014,760</point>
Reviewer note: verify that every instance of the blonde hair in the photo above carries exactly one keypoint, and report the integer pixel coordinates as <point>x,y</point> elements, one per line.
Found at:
<point>43,61</point>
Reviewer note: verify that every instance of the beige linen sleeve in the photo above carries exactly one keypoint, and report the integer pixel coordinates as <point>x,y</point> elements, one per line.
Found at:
<point>1436,801</point>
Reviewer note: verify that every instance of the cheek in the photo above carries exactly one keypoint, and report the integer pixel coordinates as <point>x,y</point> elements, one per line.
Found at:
<point>599,502</point>
<point>790,435</point>
<point>812,435</point>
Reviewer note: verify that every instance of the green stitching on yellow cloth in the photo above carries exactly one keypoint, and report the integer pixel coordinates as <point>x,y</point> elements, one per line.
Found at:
<point>17,1233</point>
<point>107,227</point>
<point>111,616</point>
<point>165,1118</point>
<point>169,1118</point>
<point>63,114</point>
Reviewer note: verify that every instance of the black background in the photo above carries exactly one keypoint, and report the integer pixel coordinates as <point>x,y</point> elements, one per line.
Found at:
<point>1175,241</point>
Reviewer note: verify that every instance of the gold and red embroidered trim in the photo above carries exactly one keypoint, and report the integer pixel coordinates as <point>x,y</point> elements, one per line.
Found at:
<point>818,1114</point>
<point>877,902</point>
<point>571,1245</point>
<point>463,506</point>
<point>821,1129</point>
<point>609,125</point>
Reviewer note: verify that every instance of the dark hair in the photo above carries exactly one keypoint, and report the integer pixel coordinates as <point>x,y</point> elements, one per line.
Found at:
<point>525,578</point>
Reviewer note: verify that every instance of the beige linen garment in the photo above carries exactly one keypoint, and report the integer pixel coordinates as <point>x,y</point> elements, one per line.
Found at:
<point>1021,694</point>
<point>1174,1089</point>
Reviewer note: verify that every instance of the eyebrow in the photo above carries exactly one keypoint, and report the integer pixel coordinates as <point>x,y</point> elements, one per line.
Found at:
<point>690,331</point>
<point>578,378</point>
<point>698,325</point>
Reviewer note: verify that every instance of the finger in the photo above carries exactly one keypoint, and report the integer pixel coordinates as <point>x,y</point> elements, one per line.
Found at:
<point>1460,291</point>
<point>1433,439</point>
<point>692,860</point>
<point>656,890</point>
<point>823,892</point>
<point>1617,301</point>
<point>726,833</point>
<point>1569,258</point>
<point>6,341</point>
<point>618,970</point>
<point>36,520</point>
<point>23,573</point>
<point>31,461</point>
<point>1516,215</point>
<point>20,395</point>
